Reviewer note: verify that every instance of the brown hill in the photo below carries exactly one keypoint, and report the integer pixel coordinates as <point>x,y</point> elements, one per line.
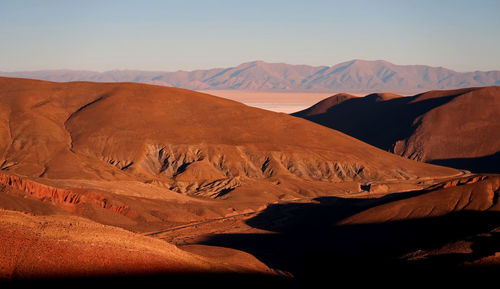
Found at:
<point>149,158</point>
<point>446,230</point>
<point>141,156</point>
<point>457,128</point>
<point>471,193</point>
<point>43,240</point>
<point>171,137</point>
<point>66,246</point>
<point>467,207</point>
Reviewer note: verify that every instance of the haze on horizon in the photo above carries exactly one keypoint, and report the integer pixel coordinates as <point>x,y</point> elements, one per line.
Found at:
<point>188,35</point>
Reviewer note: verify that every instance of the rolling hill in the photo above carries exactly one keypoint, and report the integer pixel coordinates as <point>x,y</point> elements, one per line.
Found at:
<point>121,153</point>
<point>457,128</point>
<point>91,170</point>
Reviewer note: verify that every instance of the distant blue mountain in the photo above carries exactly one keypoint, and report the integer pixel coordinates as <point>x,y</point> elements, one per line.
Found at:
<point>350,76</point>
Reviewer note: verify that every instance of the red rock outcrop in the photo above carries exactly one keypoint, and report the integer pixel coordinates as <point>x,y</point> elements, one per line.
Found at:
<point>57,196</point>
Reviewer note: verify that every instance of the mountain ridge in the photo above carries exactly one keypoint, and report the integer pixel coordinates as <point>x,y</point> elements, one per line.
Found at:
<point>350,76</point>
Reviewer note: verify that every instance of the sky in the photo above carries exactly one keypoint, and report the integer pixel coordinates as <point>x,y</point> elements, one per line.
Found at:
<point>176,35</point>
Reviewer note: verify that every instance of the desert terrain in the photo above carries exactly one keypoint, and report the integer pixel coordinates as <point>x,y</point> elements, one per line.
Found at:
<point>456,128</point>
<point>102,180</point>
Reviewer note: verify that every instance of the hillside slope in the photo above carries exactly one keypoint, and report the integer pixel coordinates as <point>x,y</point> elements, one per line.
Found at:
<point>458,128</point>
<point>82,161</point>
<point>143,157</point>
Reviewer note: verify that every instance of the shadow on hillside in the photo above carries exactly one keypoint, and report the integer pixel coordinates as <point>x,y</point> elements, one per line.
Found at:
<point>486,165</point>
<point>379,123</point>
<point>307,242</point>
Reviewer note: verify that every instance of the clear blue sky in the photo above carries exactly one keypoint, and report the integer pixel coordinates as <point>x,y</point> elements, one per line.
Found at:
<point>172,35</point>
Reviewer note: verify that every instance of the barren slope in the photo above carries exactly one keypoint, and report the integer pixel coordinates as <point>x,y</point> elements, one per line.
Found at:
<point>65,246</point>
<point>150,158</point>
<point>440,232</point>
<point>458,128</point>
<point>115,131</point>
<point>134,150</point>
<point>472,193</point>
<point>61,246</point>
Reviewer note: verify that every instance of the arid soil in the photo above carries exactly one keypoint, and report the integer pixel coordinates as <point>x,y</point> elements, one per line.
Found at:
<point>457,128</point>
<point>125,179</point>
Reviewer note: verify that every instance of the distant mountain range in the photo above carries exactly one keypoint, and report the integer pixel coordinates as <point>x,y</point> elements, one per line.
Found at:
<point>351,76</point>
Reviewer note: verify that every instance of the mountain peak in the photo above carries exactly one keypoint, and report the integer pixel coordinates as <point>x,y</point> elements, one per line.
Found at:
<point>362,62</point>
<point>252,63</point>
